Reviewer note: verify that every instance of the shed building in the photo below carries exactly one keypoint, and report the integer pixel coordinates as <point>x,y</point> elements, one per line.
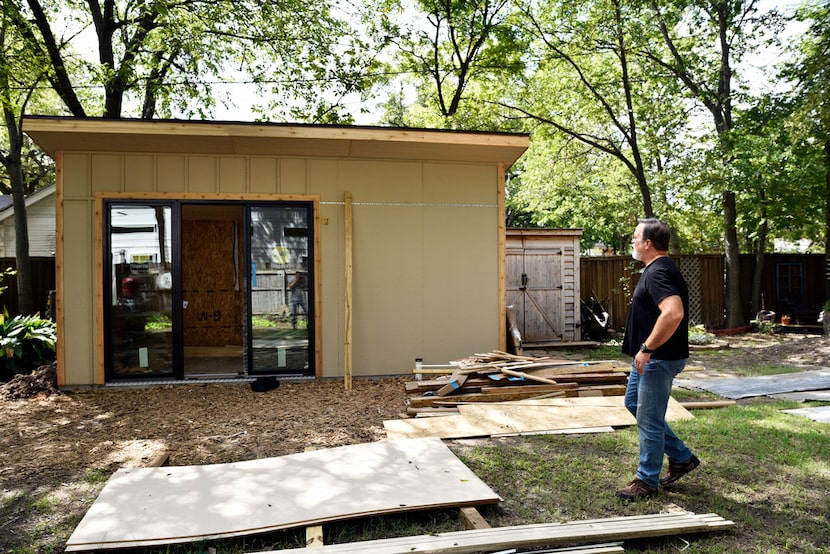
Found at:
<point>543,284</point>
<point>214,249</point>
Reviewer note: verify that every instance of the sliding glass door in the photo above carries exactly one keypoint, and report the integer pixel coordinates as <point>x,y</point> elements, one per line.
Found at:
<point>208,289</point>
<point>281,333</point>
<point>140,290</point>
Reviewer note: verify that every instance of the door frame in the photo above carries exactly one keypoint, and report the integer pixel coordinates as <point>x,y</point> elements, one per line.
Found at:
<point>102,282</point>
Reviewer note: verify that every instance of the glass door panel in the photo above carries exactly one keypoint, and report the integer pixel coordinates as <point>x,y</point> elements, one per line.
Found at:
<point>280,315</point>
<point>213,291</point>
<point>140,290</point>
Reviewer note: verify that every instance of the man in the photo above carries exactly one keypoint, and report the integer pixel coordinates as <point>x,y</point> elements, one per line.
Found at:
<point>297,287</point>
<point>657,339</point>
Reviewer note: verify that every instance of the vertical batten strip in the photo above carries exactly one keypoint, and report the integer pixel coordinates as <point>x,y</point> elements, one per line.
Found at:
<point>347,346</point>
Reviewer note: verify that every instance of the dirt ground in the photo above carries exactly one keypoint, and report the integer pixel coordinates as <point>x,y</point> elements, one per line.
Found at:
<point>61,447</point>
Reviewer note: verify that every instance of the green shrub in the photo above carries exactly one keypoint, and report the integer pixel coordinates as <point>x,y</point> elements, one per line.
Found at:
<point>699,336</point>
<point>26,342</point>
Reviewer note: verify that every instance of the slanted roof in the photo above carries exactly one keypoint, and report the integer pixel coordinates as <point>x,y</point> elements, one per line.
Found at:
<point>55,134</point>
<point>7,209</point>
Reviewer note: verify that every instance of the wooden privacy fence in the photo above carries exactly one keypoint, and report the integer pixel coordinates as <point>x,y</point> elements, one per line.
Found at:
<point>43,282</point>
<point>791,284</point>
<point>611,280</point>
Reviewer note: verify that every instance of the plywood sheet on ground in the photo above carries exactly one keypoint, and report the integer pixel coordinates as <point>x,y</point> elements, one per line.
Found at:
<point>151,506</point>
<point>525,416</point>
<point>804,395</point>
<point>745,387</point>
<point>819,413</point>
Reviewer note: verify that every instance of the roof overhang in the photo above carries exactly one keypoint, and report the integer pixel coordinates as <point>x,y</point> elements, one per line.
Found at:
<point>71,134</point>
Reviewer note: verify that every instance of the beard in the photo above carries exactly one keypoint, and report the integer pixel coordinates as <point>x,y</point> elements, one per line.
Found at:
<point>636,255</point>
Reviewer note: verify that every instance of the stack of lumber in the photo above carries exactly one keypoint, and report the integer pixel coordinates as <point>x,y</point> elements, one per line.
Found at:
<point>499,377</point>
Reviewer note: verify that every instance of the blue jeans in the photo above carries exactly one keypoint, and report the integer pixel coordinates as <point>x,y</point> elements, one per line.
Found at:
<point>647,397</point>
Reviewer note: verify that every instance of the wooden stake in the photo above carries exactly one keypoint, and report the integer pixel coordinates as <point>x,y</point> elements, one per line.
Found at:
<point>528,376</point>
<point>347,346</point>
<point>702,405</point>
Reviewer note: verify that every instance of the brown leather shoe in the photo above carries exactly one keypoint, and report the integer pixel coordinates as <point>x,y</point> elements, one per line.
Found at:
<point>679,469</point>
<point>637,490</point>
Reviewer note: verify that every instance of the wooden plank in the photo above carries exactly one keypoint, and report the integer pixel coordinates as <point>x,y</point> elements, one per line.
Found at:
<point>426,401</point>
<point>541,417</point>
<point>456,381</point>
<point>703,405</point>
<point>161,459</point>
<point>536,535</point>
<point>508,389</point>
<point>314,536</point>
<point>473,519</point>
<point>602,390</point>
<point>532,377</point>
<point>529,416</point>
<point>151,506</point>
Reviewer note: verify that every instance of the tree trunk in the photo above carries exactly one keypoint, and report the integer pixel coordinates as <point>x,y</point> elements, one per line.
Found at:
<point>827,221</point>
<point>13,162</point>
<point>25,296</point>
<point>734,311</point>
<point>760,250</point>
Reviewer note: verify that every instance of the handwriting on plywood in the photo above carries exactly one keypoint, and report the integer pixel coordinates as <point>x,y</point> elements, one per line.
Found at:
<point>208,316</point>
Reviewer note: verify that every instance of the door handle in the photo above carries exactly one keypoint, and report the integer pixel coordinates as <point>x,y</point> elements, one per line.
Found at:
<point>524,282</point>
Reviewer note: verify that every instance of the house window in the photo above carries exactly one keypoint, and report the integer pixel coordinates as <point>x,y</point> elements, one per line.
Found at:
<point>789,281</point>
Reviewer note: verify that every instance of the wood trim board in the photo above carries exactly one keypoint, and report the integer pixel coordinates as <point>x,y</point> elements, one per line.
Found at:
<point>535,535</point>
<point>154,506</point>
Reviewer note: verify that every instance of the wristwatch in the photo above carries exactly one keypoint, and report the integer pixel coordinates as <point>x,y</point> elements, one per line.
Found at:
<point>645,349</point>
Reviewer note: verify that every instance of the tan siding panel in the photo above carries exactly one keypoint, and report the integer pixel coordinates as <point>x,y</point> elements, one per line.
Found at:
<point>76,176</point>
<point>78,302</point>
<point>138,173</point>
<point>383,182</point>
<point>106,172</point>
<point>459,184</point>
<point>233,175</point>
<point>387,283</point>
<point>263,175</point>
<point>293,176</point>
<point>170,174</point>
<point>460,282</point>
<point>324,179</point>
<point>201,174</point>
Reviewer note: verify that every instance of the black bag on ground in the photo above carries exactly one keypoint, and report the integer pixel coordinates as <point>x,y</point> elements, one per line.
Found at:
<point>264,384</point>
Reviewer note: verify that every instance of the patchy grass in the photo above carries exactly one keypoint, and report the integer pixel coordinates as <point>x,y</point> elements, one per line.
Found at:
<point>763,469</point>
<point>767,471</point>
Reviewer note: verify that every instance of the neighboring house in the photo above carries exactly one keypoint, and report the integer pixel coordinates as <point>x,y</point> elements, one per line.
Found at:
<point>40,213</point>
<point>212,249</point>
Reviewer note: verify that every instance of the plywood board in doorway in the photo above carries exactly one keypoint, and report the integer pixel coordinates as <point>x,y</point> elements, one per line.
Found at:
<point>211,283</point>
<point>152,506</point>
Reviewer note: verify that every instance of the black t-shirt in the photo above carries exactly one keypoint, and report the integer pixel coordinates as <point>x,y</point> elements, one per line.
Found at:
<point>660,279</point>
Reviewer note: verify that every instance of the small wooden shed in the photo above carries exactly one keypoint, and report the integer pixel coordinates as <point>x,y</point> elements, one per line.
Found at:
<point>218,250</point>
<point>543,284</point>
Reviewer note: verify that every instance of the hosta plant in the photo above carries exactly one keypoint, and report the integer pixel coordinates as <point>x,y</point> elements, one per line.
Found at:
<point>26,342</point>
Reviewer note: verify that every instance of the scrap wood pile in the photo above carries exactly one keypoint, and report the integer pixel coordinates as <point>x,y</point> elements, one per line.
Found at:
<point>499,377</point>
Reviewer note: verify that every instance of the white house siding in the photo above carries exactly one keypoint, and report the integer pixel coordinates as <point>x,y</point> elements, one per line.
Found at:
<point>40,213</point>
